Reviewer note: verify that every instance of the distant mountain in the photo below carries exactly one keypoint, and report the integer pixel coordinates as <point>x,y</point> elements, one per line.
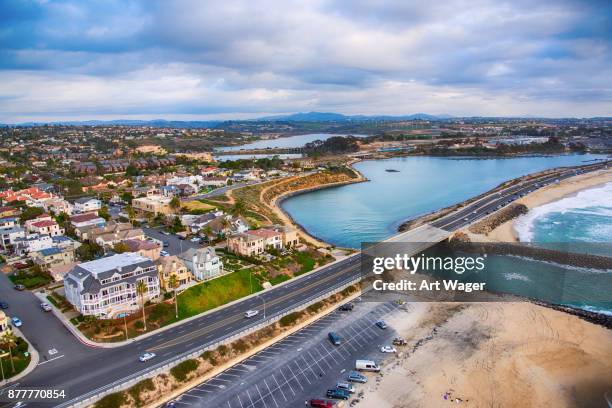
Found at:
<point>338,117</point>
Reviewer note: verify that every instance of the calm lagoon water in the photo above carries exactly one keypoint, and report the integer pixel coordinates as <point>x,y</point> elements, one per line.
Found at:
<point>366,212</point>
<point>282,142</point>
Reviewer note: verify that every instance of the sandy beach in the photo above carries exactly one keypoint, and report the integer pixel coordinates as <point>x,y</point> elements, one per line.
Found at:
<point>493,355</point>
<point>568,187</point>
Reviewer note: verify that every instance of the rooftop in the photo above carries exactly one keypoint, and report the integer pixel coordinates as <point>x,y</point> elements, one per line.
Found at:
<point>113,262</point>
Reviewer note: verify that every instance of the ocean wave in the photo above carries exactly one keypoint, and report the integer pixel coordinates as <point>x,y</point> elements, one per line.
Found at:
<point>516,276</point>
<point>595,200</point>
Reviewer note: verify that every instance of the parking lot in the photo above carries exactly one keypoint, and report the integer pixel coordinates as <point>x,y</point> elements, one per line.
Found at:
<point>301,366</point>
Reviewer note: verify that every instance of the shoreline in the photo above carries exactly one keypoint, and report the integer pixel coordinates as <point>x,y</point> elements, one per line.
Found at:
<point>551,193</point>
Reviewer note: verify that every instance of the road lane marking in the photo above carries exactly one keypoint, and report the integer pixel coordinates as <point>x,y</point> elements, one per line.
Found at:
<point>51,359</point>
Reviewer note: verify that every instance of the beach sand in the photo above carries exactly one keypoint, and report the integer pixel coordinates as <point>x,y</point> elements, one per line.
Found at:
<point>506,232</point>
<point>493,355</point>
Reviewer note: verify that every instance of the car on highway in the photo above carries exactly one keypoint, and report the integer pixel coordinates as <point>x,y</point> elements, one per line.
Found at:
<point>341,385</point>
<point>16,321</point>
<point>337,394</point>
<point>251,313</point>
<point>164,253</point>
<point>146,356</point>
<point>381,324</point>
<point>45,307</point>
<point>19,286</point>
<point>356,377</point>
<point>321,403</point>
<point>388,349</point>
<point>4,305</point>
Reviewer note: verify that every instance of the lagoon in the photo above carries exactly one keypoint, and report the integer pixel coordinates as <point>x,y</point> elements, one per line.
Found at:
<point>366,212</point>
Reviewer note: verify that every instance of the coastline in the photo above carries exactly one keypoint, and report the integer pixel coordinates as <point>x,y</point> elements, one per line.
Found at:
<point>277,207</point>
<point>554,192</point>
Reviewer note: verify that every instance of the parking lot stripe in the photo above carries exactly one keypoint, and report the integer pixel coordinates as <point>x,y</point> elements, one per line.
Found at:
<point>288,383</point>
<point>260,396</point>
<point>238,396</point>
<point>279,387</point>
<point>298,381</point>
<point>271,394</point>
<point>250,399</point>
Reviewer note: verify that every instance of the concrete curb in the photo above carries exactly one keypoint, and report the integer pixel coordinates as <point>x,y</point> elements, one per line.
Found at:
<point>34,359</point>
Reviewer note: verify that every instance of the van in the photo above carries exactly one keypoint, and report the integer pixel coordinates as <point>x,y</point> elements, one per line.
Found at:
<point>366,365</point>
<point>334,338</point>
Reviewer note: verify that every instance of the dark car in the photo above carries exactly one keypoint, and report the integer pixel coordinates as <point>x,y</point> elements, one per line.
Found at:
<point>338,394</point>
<point>347,307</point>
<point>19,286</point>
<point>166,244</point>
<point>335,338</point>
<point>381,324</point>
<point>4,305</point>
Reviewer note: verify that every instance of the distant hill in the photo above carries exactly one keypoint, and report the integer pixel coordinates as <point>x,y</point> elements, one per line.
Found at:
<point>338,117</point>
<point>131,122</point>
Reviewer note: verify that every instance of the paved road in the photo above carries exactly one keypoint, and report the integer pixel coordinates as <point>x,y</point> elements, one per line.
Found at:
<point>96,368</point>
<point>302,366</point>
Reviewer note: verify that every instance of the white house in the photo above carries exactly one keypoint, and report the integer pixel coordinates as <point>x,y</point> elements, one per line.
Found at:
<point>87,204</point>
<point>10,235</point>
<point>106,287</point>
<point>202,262</point>
<point>195,181</point>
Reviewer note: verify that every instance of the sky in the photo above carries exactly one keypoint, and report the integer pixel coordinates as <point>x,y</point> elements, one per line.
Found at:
<point>235,59</point>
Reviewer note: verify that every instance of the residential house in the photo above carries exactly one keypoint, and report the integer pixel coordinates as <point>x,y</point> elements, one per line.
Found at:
<point>59,271</point>
<point>170,191</point>
<point>289,235</point>
<point>246,244</point>
<point>54,256</point>
<point>9,211</point>
<point>146,248</point>
<point>45,227</point>
<point>272,239</point>
<point>57,206</point>
<point>219,181</point>
<point>106,287</point>
<point>195,181</point>
<point>152,205</point>
<point>86,205</point>
<point>172,265</point>
<point>202,262</point>
<point>109,239</point>
<point>32,243</point>
<point>9,222</point>
<point>10,235</point>
<point>84,223</point>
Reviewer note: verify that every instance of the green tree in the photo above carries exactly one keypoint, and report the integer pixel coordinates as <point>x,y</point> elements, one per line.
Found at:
<point>103,212</point>
<point>239,208</point>
<point>127,197</point>
<point>131,171</point>
<point>30,213</point>
<point>9,340</point>
<point>141,290</point>
<point>89,251</point>
<point>121,247</point>
<point>175,203</point>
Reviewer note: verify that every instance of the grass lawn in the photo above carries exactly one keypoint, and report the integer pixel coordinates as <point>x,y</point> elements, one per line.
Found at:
<point>20,362</point>
<point>197,205</point>
<point>30,281</point>
<point>307,262</point>
<point>215,293</point>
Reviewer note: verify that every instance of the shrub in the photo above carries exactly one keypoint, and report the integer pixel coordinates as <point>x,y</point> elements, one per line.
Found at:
<point>114,400</point>
<point>315,307</point>
<point>240,346</point>
<point>182,370</point>
<point>209,355</point>
<point>222,349</point>
<point>289,319</point>
<point>139,324</point>
<point>137,389</point>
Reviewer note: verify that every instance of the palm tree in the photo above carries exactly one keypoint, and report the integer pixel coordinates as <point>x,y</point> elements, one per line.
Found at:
<point>173,283</point>
<point>141,289</point>
<point>9,340</point>
<point>239,208</point>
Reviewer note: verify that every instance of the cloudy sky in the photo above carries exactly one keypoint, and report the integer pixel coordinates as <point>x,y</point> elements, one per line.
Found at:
<point>193,59</point>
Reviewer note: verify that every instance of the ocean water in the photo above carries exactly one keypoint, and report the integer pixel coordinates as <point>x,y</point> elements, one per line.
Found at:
<point>367,212</point>
<point>583,217</point>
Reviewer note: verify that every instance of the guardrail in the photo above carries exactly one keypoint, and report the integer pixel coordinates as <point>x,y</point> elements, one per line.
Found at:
<point>126,382</point>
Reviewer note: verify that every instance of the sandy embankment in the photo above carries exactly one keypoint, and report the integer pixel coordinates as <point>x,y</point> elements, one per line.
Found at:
<point>553,192</point>
<point>493,355</point>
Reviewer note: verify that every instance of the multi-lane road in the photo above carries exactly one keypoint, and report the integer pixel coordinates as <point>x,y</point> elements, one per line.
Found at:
<point>84,371</point>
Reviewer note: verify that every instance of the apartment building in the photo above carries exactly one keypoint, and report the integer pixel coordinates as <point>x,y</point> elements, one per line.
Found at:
<point>106,287</point>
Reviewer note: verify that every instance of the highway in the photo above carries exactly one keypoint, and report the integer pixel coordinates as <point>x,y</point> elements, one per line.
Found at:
<point>91,370</point>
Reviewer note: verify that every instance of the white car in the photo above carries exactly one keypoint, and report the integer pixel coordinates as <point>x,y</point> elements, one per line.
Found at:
<point>45,307</point>
<point>250,313</point>
<point>195,239</point>
<point>388,349</point>
<point>164,253</point>
<point>146,356</point>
